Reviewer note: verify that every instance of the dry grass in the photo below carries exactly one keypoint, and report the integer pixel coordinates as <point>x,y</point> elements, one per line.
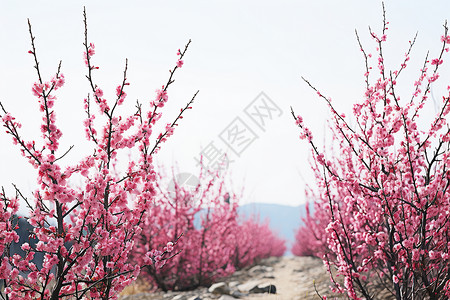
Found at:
<point>139,286</point>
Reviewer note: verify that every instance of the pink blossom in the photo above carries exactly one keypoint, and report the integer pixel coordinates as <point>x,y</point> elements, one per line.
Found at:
<point>395,279</point>
<point>38,89</point>
<point>161,95</point>
<point>25,247</point>
<point>433,78</point>
<point>7,118</point>
<point>120,94</point>
<point>98,92</point>
<point>58,81</point>
<point>436,61</point>
<point>445,39</point>
<point>91,50</point>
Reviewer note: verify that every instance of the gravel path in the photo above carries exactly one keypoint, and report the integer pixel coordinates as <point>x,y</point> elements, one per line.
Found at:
<point>295,278</point>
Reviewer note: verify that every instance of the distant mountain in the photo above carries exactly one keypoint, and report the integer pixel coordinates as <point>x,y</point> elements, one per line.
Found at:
<point>283,219</point>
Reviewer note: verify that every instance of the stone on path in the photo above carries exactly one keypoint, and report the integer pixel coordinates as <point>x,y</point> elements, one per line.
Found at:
<point>246,287</point>
<point>257,287</point>
<point>256,270</point>
<point>220,288</point>
<point>268,288</point>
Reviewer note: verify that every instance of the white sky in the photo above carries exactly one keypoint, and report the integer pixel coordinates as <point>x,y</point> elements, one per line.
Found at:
<point>239,49</point>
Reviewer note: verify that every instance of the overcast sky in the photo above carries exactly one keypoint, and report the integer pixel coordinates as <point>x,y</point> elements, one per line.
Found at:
<point>239,50</point>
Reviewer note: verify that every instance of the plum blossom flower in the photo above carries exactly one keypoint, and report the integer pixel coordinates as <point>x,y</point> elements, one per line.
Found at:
<point>433,78</point>
<point>25,247</point>
<point>445,39</point>
<point>58,81</point>
<point>98,92</point>
<point>37,89</point>
<point>7,118</point>
<point>395,279</point>
<point>161,95</point>
<point>169,247</point>
<point>437,61</point>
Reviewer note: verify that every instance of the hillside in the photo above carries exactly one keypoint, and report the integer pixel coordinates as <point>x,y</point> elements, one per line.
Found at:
<point>283,219</point>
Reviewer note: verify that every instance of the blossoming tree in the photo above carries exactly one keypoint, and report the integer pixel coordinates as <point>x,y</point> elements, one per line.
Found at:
<point>214,240</point>
<point>255,241</point>
<point>382,208</point>
<point>203,220</point>
<point>87,232</point>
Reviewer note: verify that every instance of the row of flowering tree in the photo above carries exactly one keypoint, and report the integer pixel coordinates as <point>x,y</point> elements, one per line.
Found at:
<point>212,239</point>
<point>382,204</point>
<point>85,232</point>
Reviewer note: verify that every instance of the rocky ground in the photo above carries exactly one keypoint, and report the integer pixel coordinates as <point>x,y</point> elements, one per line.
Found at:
<point>291,278</point>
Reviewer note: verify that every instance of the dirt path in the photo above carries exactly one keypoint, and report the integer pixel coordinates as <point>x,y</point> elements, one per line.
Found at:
<point>293,277</point>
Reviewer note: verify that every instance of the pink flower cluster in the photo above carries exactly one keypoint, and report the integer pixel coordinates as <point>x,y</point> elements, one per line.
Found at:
<point>382,206</point>
<point>255,241</point>
<point>161,97</point>
<point>306,243</point>
<point>212,241</point>
<point>8,235</point>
